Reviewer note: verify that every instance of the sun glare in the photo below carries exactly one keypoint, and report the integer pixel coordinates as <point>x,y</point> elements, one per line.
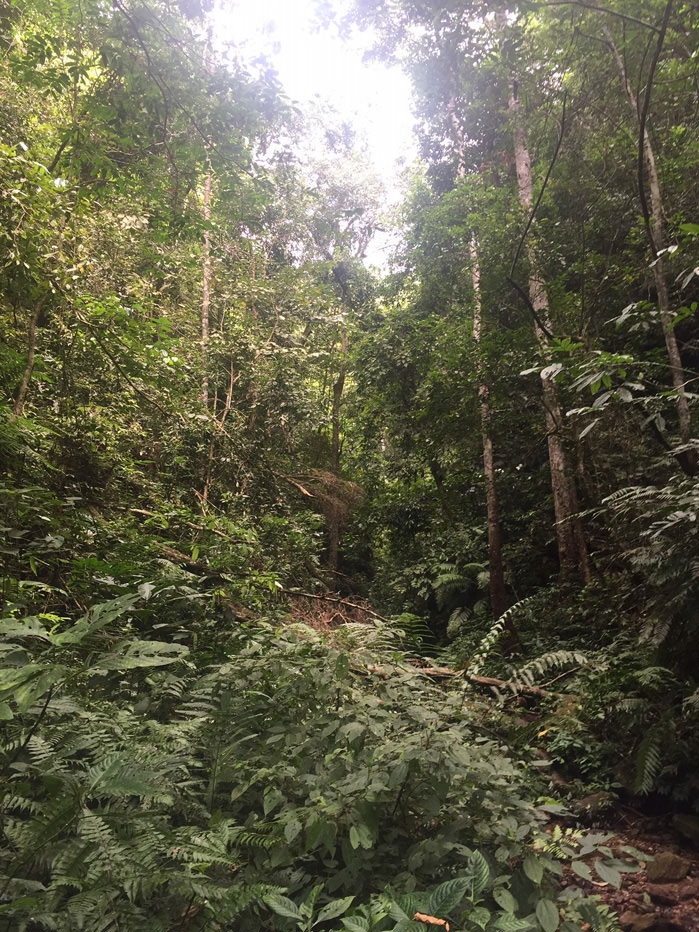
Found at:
<point>315,66</point>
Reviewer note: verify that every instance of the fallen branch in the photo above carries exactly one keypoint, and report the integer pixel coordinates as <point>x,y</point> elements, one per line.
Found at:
<point>489,681</point>
<point>337,601</point>
<point>504,684</point>
<point>294,483</point>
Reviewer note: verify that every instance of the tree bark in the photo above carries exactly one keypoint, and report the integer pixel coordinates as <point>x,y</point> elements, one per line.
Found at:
<point>656,233</point>
<point>206,288</point>
<point>572,548</point>
<point>498,595</point>
<point>18,407</point>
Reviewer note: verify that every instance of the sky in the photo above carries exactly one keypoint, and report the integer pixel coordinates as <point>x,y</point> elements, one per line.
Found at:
<point>374,97</point>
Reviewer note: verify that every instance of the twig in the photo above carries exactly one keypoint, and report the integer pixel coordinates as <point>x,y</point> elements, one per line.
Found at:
<point>294,483</point>
<point>562,675</point>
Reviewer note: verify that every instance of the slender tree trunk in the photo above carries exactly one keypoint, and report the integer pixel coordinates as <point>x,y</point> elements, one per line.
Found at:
<point>18,407</point>
<point>206,288</point>
<point>498,595</point>
<point>657,243</point>
<point>572,548</point>
<point>334,515</point>
<point>496,585</point>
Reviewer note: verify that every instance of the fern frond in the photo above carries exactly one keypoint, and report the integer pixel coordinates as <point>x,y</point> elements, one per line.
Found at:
<point>691,703</point>
<point>535,670</point>
<point>492,637</point>
<point>649,761</point>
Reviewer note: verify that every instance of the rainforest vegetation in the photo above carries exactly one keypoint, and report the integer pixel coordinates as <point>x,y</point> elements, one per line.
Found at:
<point>330,597</point>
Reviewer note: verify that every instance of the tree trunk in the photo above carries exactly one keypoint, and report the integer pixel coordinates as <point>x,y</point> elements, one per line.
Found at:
<point>499,602</point>
<point>688,460</point>
<point>572,548</point>
<point>334,515</point>
<point>498,595</point>
<point>206,288</point>
<point>18,407</point>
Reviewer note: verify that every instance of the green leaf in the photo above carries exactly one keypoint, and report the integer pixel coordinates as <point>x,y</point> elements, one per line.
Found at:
<point>356,924</point>
<point>360,836</point>
<point>548,915</point>
<point>14,678</point>
<point>292,829</point>
<point>608,873</point>
<point>447,896</point>
<point>334,909</point>
<point>504,899</point>
<point>533,868</point>
<point>6,714</point>
<point>405,906</point>
<point>26,695</point>
<point>479,916</point>
<point>139,654</point>
<point>24,628</point>
<point>581,869</point>
<point>478,873</point>
<point>282,906</point>
<point>510,923</point>
<point>96,619</point>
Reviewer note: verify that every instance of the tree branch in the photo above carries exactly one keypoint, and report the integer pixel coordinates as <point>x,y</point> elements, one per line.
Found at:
<point>601,9</point>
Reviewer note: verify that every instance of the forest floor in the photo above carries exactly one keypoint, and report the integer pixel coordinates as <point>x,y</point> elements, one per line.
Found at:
<point>664,897</point>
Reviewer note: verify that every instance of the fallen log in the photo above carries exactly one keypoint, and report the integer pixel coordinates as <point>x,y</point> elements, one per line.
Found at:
<point>489,681</point>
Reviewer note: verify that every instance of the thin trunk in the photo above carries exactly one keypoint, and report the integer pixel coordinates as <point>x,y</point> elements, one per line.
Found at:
<point>334,514</point>
<point>498,595</point>
<point>206,288</point>
<point>572,549</point>
<point>18,407</point>
<point>657,242</point>
<point>338,389</point>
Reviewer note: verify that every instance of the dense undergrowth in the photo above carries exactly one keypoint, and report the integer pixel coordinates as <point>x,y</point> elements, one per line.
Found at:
<point>251,776</point>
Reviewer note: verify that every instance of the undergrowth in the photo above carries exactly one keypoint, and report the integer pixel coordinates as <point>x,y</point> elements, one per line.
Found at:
<point>299,780</point>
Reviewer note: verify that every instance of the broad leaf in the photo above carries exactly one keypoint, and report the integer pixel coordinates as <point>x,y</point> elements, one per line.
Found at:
<point>447,896</point>
<point>334,909</point>
<point>533,868</point>
<point>581,869</point>
<point>548,915</point>
<point>282,906</point>
<point>505,900</point>
<point>608,873</point>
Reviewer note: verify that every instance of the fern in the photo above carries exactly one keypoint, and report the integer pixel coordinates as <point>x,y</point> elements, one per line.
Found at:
<point>649,759</point>
<point>485,647</point>
<point>536,670</point>
<point>454,579</point>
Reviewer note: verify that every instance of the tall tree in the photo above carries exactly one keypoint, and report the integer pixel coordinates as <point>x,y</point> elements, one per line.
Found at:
<point>496,580</point>
<point>572,548</point>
